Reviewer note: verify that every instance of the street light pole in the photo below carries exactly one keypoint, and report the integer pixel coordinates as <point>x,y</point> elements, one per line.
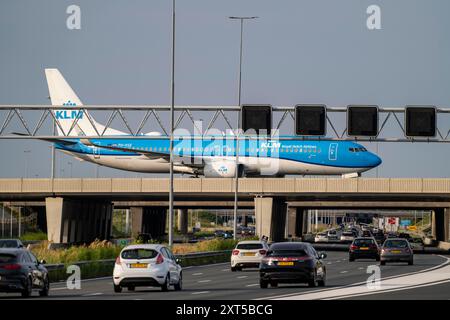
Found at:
<point>26,161</point>
<point>53,152</point>
<point>236,178</point>
<point>172,107</point>
<point>70,164</point>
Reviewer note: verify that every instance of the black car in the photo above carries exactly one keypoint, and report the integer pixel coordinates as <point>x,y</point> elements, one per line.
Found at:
<point>379,237</point>
<point>364,248</point>
<point>11,243</point>
<point>292,262</point>
<point>20,271</point>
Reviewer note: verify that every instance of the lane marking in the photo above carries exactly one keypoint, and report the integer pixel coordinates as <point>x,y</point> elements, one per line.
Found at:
<point>225,270</point>
<point>394,290</point>
<point>62,288</point>
<point>200,292</point>
<point>242,277</point>
<point>93,294</point>
<point>197,274</point>
<point>427,278</point>
<point>362,282</point>
<point>203,281</point>
<point>360,268</point>
<point>252,285</point>
<point>345,271</point>
<point>328,263</point>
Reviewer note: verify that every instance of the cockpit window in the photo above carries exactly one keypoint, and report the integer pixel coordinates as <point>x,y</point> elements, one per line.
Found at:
<point>359,149</point>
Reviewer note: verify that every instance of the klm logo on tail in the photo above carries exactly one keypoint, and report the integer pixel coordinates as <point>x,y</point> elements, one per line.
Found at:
<point>68,114</point>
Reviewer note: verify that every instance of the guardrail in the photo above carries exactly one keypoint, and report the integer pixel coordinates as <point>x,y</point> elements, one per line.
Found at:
<point>101,268</point>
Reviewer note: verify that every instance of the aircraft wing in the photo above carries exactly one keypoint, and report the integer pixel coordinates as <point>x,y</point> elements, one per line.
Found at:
<point>53,140</point>
<point>180,160</point>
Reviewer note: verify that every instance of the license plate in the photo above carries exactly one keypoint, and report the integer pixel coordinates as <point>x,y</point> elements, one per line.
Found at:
<point>249,254</point>
<point>364,248</point>
<point>138,265</point>
<point>396,251</point>
<point>285,263</point>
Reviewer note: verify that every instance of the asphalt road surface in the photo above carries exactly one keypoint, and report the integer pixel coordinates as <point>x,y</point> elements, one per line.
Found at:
<point>428,278</point>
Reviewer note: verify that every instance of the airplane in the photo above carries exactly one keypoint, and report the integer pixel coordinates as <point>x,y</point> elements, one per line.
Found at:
<point>210,156</point>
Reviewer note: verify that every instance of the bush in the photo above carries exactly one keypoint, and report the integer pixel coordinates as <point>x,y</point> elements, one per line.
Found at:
<point>97,250</point>
<point>32,236</point>
<point>203,234</point>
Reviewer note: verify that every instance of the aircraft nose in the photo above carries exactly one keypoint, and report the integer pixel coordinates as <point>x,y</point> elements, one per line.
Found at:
<point>374,160</point>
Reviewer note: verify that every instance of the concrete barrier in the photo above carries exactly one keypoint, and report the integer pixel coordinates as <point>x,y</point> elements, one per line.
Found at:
<point>104,268</point>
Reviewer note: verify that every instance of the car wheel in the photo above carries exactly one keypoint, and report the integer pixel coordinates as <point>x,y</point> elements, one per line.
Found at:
<point>312,282</point>
<point>131,288</point>
<point>117,289</point>
<point>263,284</point>
<point>377,258</point>
<point>410,262</point>
<point>233,269</point>
<point>351,259</point>
<point>165,285</point>
<point>26,292</point>
<point>274,284</point>
<point>45,289</point>
<point>179,286</point>
<point>383,263</point>
<point>322,282</point>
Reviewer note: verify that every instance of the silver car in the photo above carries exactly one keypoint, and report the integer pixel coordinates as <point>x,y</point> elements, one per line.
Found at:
<point>396,250</point>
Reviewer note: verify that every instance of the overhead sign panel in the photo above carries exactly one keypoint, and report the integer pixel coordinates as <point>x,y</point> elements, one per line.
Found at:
<point>362,121</point>
<point>420,121</point>
<point>310,120</point>
<point>257,118</point>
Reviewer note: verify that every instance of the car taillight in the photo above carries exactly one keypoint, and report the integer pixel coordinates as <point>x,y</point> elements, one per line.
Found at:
<point>11,266</point>
<point>262,252</point>
<point>235,252</point>
<point>159,259</point>
<point>353,247</point>
<point>118,260</point>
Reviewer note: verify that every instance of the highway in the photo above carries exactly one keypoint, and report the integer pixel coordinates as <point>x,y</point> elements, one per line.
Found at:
<point>219,283</point>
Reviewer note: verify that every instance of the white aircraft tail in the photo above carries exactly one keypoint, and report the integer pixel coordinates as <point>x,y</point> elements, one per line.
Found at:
<point>61,94</point>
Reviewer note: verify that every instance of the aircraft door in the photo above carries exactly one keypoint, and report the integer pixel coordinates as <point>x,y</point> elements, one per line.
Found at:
<point>332,151</point>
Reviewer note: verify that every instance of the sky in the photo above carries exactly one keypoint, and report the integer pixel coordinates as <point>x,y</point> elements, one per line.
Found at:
<point>298,51</point>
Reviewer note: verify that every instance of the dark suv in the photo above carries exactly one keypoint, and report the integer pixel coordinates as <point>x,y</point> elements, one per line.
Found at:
<point>292,262</point>
<point>20,271</point>
<point>364,248</point>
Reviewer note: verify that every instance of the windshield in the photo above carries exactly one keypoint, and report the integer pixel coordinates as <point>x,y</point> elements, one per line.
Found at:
<point>347,234</point>
<point>139,254</point>
<point>8,244</point>
<point>363,242</point>
<point>7,258</point>
<point>396,244</point>
<point>249,246</point>
<point>287,253</point>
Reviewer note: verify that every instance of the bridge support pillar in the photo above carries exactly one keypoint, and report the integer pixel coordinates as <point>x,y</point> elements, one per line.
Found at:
<point>270,214</point>
<point>151,220</point>
<point>297,222</point>
<point>71,221</point>
<point>440,219</point>
<point>183,221</point>
<point>291,222</point>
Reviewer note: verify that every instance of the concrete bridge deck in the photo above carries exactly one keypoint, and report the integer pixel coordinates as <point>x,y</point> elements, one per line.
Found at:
<point>38,188</point>
<point>72,204</point>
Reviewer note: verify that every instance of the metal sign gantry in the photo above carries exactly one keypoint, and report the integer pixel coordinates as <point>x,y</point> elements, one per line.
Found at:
<point>18,116</point>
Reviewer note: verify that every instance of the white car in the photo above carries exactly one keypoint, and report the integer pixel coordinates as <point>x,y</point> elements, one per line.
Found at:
<point>248,254</point>
<point>321,237</point>
<point>347,236</point>
<point>149,265</point>
<point>332,235</point>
